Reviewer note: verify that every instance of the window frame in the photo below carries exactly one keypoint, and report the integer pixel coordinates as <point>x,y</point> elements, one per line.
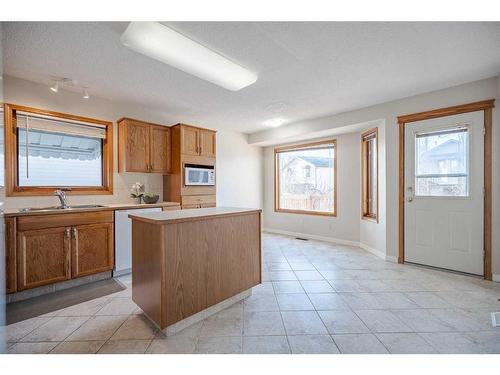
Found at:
<point>365,191</point>
<point>11,155</point>
<point>304,146</point>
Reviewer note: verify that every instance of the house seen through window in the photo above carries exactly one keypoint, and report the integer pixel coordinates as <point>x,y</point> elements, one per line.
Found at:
<point>306,178</point>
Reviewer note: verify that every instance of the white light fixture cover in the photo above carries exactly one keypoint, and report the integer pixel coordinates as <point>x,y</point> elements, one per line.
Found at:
<point>170,47</point>
<point>274,122</point>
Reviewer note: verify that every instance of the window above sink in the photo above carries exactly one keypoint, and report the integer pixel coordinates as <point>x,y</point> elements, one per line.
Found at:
<point>48,150</point>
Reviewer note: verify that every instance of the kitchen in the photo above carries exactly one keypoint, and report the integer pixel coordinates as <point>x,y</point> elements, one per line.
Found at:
<point>167,198</point>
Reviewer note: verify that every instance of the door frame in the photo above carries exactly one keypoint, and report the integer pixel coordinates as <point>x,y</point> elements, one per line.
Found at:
<point>487,107</point>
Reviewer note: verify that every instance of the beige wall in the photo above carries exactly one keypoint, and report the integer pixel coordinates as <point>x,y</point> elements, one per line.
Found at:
<point>343,227</point>
<point>383,237</point>
<point>231,148</point>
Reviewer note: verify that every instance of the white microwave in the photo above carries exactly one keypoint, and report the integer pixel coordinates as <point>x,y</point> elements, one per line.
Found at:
<point>199,176</point>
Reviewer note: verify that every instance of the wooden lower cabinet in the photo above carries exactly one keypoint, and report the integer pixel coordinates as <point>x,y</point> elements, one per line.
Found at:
<point>47,249</point>
<point>91,249</point>
<point>43,257</point>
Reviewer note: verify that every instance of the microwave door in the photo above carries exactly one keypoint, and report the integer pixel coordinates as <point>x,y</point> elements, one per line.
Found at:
<point>197,177</point>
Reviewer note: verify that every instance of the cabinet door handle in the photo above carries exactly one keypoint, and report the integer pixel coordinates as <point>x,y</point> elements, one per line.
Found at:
<point>67,233</point>
<point>75,232</point>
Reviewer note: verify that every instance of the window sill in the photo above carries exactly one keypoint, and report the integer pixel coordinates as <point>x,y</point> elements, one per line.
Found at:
<point>301,212</point>
<point>370,218</point>
<point>47,191</point>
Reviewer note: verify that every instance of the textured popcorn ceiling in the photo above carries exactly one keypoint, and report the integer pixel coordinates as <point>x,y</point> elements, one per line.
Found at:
<point>305,70</point>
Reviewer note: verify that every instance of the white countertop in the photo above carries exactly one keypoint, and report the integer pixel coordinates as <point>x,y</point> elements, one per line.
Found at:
<point>185,215</point>
<point>105,207</point>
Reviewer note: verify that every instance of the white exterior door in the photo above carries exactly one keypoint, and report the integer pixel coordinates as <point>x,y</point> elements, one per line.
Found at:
<point>444,192</point>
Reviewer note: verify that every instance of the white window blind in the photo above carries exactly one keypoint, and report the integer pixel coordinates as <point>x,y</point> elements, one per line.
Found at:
<point>57,125</point>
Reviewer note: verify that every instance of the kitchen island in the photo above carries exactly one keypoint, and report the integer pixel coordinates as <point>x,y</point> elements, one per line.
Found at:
<point>189,264</point>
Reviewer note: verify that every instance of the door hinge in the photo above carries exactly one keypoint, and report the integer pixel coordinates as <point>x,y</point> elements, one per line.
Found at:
<point>484,131</point>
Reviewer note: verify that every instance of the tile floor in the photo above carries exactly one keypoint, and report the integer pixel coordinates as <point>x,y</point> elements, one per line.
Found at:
<point>316,297</point>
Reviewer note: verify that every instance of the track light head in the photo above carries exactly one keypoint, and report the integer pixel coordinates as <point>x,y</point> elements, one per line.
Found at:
<point>54,87</point>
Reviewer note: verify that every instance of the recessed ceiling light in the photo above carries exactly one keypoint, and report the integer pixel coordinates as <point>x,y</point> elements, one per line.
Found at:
<point>274,122</point>
<point>170,47</point>
<point>54,86</point>
<point>278,107</point>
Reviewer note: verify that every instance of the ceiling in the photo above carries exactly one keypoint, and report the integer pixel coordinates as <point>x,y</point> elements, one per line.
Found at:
<point>305,70</point>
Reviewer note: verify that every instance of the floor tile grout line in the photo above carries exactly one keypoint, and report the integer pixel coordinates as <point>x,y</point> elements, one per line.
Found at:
<point>19,340</point>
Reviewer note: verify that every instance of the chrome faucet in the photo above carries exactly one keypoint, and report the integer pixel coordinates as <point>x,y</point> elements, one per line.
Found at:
<point>60,193</point>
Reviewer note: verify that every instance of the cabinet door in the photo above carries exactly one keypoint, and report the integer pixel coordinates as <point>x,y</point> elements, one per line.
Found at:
<point>189,140</point>
<point>92,249</point>
<point>207,143</point>
<point>160,149</point>
<point>137,146</point>
<point>43,257</point>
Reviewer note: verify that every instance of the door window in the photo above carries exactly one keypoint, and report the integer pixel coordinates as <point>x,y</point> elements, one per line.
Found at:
<point>442,163</point>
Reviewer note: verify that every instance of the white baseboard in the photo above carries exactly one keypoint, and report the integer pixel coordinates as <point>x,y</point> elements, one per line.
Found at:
<point>496,277</point>
<point>339,241</point>
<point>391,259</point>
<point>371,250</point>
<point>312,237</point>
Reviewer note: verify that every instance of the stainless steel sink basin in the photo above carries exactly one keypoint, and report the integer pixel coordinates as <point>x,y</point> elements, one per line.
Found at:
<point>86,206</point>
<point>58,208</point>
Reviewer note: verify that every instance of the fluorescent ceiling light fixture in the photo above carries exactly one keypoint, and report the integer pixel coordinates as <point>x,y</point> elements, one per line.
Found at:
<point>274,122</point>
<point>170,47</point>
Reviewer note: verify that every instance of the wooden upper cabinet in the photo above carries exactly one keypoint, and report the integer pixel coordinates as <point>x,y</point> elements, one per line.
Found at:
<point>43,257</point>
<point>207,143</point>
<point>189,140</point>
<point>143,147</point>
<point>92,249</point>
<point>197,141</point>
<point>160,149</point>
<point>135,138</point>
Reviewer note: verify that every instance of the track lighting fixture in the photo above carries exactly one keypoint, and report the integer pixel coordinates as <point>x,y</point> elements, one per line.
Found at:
<point>54,86</point>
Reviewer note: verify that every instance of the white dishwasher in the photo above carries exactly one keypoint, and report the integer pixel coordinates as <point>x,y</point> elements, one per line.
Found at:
<point>123,239</point>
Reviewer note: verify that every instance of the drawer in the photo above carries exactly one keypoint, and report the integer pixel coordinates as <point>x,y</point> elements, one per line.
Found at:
<point>63,220</point>
<point>197,199</point>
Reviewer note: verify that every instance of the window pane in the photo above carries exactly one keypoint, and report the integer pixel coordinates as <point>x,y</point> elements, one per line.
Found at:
<point>442,152</point>
<point>2,150</point>
<point>306,179</point>
<point>441,163</point>
<point>372,177</point>
<point>442,186</point>
<point>56,159</point>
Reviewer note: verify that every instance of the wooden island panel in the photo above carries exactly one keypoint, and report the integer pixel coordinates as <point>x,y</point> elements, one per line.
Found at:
<point>231,272</point>
<point>185,266</point>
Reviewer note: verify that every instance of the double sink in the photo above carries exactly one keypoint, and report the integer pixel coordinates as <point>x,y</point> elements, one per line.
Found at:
<point>53,208</point>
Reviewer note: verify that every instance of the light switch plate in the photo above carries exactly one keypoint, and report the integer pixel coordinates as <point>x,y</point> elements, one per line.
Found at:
<point>495,319</point>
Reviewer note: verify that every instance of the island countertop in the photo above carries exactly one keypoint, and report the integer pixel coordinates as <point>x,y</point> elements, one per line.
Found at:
<point>164,217</point>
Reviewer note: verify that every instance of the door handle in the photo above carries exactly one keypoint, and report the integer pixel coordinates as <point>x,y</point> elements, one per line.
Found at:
<point>409,191</point>
<point>75,232</point>
<point>67,232</point>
